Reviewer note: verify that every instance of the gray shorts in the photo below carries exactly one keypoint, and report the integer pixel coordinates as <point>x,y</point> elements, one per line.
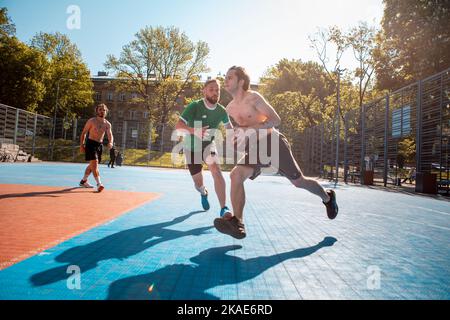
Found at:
<point>286,166</point>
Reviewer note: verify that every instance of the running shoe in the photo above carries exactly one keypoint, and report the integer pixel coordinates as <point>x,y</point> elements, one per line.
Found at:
<point>205,203</point>
<point>85,184</point>
<point>226,213</point>
<point>332,207</point>
<point>100,187</point>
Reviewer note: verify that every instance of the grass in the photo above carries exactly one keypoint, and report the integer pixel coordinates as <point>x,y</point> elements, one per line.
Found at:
<point>66,151</point>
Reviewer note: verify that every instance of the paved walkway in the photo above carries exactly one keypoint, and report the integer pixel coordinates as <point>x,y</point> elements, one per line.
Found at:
<point>383,245</point>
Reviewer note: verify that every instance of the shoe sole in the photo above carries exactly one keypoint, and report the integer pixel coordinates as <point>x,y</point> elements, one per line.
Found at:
<point>224,226</point>
<point>100,189</point>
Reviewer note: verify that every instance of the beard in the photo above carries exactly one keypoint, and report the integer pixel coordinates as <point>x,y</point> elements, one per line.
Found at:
<point>212,100</point>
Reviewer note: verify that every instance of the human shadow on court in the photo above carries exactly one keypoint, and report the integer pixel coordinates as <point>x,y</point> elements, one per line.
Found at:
<point>213,268</point>
<point>51,194</point>
<point>120,245</point>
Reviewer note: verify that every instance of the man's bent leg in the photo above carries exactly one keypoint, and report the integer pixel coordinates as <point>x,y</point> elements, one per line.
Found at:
<point>289,168</point>
<point>219,183</point>
<point>198,183</point>
<point>96,173</point>
<point>87,172</point>
<point>198,180</point>
<point>84,183</point>
<point>312,186</point>
<point>238,176</point>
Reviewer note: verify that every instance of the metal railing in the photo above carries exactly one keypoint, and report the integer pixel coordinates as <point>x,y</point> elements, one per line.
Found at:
<point>406,131</point>
<point>29,130</point>
<point>384,141</point>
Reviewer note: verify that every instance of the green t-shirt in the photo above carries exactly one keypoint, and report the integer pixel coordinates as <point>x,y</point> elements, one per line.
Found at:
<point>197,111</point>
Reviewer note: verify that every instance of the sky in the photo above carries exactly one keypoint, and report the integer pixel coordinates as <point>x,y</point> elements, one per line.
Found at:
<point>255,34</point>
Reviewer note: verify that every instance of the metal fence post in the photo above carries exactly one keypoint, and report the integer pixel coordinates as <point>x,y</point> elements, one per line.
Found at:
<point>345,147</point>
<point>74,137</point>
<point>162,144</point>
<point>419,128</point>
<point>16,126</point>
<point>33,148</point>
<point>363,144</point>
<point>124,137</point>
<point>149,144</point>
<point>386,134</point>
<point>311,150</point>
<point>441,159</point>
<point>321,149</point>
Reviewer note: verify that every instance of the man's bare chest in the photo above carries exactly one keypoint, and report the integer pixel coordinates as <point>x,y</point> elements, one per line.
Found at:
<point>243,114</point>
<point>99,128</point>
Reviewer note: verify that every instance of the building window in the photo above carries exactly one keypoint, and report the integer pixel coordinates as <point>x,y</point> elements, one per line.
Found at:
<point>120,114</point>
<point>134,95</point>
<point>119,129</point>
<point>98,96</point>
<point>122,96</point>
<point>145,114</point>
<point>110,96</point>
<point>132,114</point>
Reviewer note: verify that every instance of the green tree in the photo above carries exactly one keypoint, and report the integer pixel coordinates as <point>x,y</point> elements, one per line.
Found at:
<point>7,28</point>
<point>22,69</point>
<point>65,62</point>
<point>362,41</point>
<point>298,111</point>
<point>299,92</point>
<point>295,75</point>
<point>414,41</point>
<point>158,65</point>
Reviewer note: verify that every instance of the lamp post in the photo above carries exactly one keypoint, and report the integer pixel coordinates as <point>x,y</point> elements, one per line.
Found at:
<point>54,115</point>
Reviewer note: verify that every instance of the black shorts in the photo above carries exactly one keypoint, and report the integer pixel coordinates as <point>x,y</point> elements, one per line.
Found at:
<point>93,150</point>
<point>195,159</point>
<point>286,164</point>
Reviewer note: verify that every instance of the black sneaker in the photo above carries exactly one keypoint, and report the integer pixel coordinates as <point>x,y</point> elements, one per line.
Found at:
<point>332,207</point>
<point>85,184</point>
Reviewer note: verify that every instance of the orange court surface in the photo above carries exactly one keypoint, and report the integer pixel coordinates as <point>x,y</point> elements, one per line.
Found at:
<point>34,218</point>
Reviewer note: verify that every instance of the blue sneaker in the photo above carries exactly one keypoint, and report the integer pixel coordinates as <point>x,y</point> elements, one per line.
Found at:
<point>226,213</point>
<point>205,203</point>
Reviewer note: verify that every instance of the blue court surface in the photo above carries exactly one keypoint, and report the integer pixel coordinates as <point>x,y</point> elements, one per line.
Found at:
<point>382,245</point>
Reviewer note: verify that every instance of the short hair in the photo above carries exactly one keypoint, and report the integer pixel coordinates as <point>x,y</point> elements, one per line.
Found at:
<point>242,75</point>
<point>101,105</point>
<point>211,81</point>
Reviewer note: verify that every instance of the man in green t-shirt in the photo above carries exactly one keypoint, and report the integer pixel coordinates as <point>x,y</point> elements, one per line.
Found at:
<point>197,120</point>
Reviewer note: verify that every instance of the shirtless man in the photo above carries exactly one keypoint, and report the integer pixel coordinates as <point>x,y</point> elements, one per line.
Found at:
<point>251,112</point>
<point>92,146</point>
